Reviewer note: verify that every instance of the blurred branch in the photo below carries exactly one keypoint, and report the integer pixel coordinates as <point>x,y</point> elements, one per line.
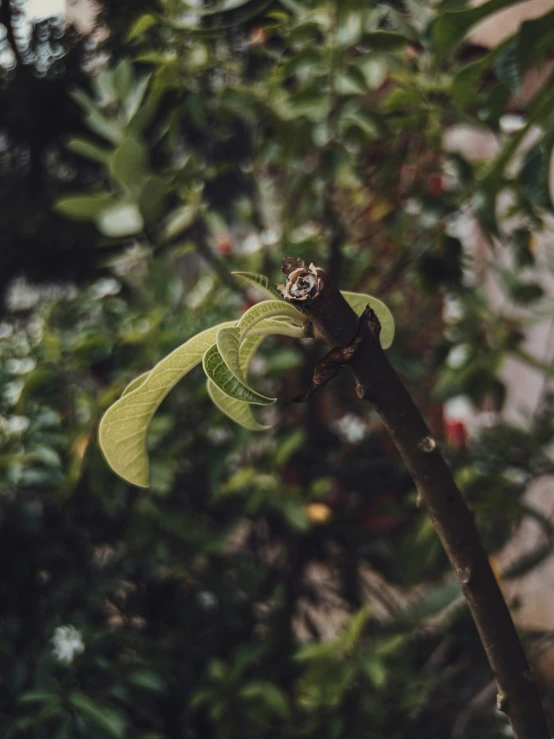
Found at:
<point>357,340</point>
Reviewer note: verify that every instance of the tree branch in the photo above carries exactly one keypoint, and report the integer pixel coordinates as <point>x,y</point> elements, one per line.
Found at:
<point>332,319</point>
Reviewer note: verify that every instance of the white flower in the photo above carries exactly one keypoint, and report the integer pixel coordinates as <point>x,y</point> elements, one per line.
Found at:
<point>350,428</point>
<point>67,643</point>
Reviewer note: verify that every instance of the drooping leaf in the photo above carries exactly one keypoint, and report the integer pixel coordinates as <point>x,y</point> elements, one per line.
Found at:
<point>280,326</point>
<point>179,220</point>
<point>238,411</point>
<point>83,207</point>
<point>228,344</point>
<point>534,41</point>
<point>129,164</point>
<point>467,78</point>
<point>122,432</point>
<point>105,718</point>
<point>142,24</point>
<point>358,302</point>
<point>267,309</point>
<point>89,150</point>
<point>136,383</point>
<point>534,173</point>
<point>217,371</point>
<point>123,78</point>
<point>103,126</point>
<point>248,348</point>
<point>507,69</point>
<point>451,27</point>
<point>152,198</point>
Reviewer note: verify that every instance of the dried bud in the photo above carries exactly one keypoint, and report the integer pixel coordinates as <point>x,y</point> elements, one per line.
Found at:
<point>303,282</point>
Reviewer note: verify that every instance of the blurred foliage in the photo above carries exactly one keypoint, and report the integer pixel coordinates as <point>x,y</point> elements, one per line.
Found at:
<point>280,584</point>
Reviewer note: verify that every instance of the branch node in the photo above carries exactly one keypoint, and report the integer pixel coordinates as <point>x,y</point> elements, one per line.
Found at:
<point>502,702</point>
<point>360,391</point>
<point>428,444</point>
<point>465,574</point>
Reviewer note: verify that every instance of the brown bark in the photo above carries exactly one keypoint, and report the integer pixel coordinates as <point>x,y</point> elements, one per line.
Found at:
<point>333,320</point>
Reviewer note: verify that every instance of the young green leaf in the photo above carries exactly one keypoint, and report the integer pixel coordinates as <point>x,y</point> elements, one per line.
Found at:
<point>238,410</point>
<point>217,371</point>
<point>278,325</point>
<point>268,309</point>
<point>122,432</point>
<point>260,282</point>
<point>134,384</point>
<point>358,302</point>
<point>83,207</point>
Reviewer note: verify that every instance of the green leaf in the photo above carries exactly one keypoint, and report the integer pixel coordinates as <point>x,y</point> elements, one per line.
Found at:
<point>104,717</point>
<point>123,78</point>
<point>129,164</point>
<point>268,694</point>
<point>228,345</point>
<point>450,28</point>
<point>123,219</point>
<point>534,41</point>
<point>466,79</point>
<point>267,309</point>
<point>507,69</point>
<point>136,383</point>
<point>37,696</point>
<point>260,282</point>
<point>103,126</point>
<point>534,173</point>
<point>123,428</point>
<point>279,326</point>
<point>358,303</point>
<point>179,220</point>
<point>237,410</point>
<point>385,40</point>
<point>248,348</point>
<point>147,679</point>
<point>217,371</point>
<point>370,124</point>
<point>142,24</point>
<point>89,150</point>
<point>83,207</point>
<point>152,197</point>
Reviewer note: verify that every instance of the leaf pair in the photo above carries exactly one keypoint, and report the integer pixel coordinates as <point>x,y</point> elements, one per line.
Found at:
<point>225,351</point>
